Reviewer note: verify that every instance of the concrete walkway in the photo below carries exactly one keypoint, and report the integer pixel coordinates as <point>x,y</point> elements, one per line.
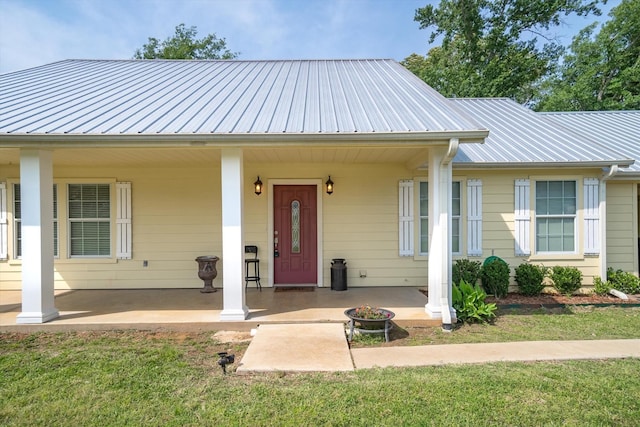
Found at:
<point>297,348</point>
<point>323,347</point>
<point>528,351</point>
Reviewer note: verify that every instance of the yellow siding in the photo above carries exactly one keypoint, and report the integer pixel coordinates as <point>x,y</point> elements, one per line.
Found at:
<point>622,225</point>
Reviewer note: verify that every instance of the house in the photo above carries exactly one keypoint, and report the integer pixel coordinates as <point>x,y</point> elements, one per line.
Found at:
<point>118,174</point>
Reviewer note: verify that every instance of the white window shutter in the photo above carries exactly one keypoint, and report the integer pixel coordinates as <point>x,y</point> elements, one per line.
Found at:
<point>522,217</point>
<point>123,220</point>
<point>474,217</point>
<point>405,213</point>
<point>591,216</point>
<point>4,223</point>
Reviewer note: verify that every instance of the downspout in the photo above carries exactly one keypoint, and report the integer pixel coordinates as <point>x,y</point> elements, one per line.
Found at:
<point>602,206</point>
<point>445,300</point>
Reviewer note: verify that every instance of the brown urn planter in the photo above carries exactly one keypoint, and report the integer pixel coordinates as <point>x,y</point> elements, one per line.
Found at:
<point>207,272</point>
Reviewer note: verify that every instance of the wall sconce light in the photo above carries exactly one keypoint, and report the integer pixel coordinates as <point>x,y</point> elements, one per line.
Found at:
<point>258,186</point>
<point>329,184</point>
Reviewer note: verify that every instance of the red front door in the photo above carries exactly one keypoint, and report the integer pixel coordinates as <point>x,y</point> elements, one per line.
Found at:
<point>295,231</point>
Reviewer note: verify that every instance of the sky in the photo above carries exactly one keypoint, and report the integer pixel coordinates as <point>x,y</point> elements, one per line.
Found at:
<point>37,32</point>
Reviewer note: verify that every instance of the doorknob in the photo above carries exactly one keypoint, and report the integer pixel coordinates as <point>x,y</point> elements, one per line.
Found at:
<point>276,253</point>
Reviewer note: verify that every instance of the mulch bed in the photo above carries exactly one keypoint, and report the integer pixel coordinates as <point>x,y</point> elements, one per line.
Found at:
<point>551,300</point>
<point>548,300</point>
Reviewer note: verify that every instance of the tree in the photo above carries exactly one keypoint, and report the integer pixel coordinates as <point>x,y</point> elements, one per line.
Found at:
<point>601,71</point>
<point>491,47</point>
<point>184,45</point>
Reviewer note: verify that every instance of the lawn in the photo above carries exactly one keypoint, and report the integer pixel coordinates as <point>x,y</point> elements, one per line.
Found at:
<point>121,378</point>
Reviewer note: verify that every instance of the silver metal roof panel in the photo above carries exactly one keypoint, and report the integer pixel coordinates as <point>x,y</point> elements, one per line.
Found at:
<point>160,97</point>
<point>619,130</point>
<point>519,136</point>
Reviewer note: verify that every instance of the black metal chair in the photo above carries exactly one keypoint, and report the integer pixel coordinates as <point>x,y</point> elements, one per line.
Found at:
<point>254,265</point>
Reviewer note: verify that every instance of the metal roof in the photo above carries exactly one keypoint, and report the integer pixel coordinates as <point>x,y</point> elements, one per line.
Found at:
<point>619,130</point>
<point>114,98</point>
<point>519,136</point>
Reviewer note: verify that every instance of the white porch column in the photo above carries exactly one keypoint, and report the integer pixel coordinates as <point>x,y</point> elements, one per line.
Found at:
<point>36,193</point>
<point>440,188</point>
<point>233,295</point>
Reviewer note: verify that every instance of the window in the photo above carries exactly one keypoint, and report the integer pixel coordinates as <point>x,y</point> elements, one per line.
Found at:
<point>555,216</point>
<point>89,220</point>
<point>17,215</point>
<point>456,203</point>
<point>424,217</point>
<point>456,209</point>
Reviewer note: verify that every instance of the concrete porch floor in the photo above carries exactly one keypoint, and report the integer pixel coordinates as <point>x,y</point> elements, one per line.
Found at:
<point>189,309</point>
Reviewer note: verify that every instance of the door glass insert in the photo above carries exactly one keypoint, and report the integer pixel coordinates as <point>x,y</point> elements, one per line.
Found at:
<point>295,227</point>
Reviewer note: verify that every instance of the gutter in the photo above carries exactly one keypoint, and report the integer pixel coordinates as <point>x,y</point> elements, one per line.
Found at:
<point>445,302</point>
<point>136,140</point>
<point>546,165</point>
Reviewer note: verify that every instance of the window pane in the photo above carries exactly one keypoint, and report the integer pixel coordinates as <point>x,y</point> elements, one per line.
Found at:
<point>541,189</point>
<point>424,199</point>
<point>455,199</point>
<point>569,206</point>
<point>555,188</point>
<point>424,235</point>
<point>542,207</point>
<point>295,227</point>
<point>569,189</point>
<point>554,226</point>
<point>541,235</point>
<point>555,243</point>
<point>555,206</point>
<point>455,235</point>
<point>90,238</point>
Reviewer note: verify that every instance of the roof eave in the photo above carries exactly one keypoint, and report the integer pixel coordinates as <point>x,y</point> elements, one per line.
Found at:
<point>223,140</point>
<point>543,165</point>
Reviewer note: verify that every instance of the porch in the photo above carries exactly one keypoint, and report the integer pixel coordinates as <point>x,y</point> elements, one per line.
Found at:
<point>191,310</point>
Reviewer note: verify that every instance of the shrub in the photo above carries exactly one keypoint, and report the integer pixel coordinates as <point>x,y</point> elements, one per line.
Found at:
<point>467,270</point>
<point>566,280</point>
<point>529,278</point>
<point>469,303</point>
<point>495,277</point>
<point>624,282</point>
<point>601,287</point>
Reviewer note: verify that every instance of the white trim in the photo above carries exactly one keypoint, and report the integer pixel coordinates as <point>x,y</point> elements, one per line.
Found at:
<point>320,254</point>
<point>591,209</point>
<point>405,218</point>
<point>474,217</point>
<point>123,220</point>
<point>522,218</point>
<point>4,223</point>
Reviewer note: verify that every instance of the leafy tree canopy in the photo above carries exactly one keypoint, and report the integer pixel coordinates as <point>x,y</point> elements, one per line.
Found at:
<point>184,45</point>
<point>601,71</point>
<point>491,47</point>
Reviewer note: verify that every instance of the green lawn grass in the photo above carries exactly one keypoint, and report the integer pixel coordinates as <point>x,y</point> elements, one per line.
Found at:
<point>570,323</point>
<point>129,378</point>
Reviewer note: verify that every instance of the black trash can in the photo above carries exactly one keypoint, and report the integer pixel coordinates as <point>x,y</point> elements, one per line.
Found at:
<point>338,274</point>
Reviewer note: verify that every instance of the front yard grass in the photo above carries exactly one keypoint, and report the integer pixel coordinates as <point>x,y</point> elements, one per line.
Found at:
<point>138,378</point>
<point>570,323</point>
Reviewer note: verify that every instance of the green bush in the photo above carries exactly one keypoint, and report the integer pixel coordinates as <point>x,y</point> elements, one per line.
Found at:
<point>469,303</point>
<point>467,270</point>
<point>601,287</point>
<point>495,277</point>
<point>624,282</point>
<point>566,280</point>
<point>529,278</point>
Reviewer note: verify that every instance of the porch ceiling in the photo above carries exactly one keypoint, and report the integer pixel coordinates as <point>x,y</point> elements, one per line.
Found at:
<point>189,156</point>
